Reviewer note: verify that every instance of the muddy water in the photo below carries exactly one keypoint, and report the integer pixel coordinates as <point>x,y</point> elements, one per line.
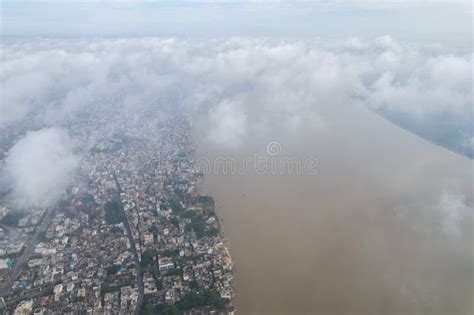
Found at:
<point>385,226</point>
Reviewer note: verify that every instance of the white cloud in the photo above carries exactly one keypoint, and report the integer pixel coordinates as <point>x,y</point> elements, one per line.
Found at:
<point>454,209</point>
<point>39,166</point>
<point>54,80</point>
<point>228,124</point>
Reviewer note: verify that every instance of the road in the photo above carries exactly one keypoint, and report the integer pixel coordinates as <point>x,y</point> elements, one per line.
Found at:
<point>140,285</point>
<point>23,259</point>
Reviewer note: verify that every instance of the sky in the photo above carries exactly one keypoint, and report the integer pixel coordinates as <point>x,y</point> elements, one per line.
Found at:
<point>430,21</point>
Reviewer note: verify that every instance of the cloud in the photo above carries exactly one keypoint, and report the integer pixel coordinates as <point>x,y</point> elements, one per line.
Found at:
<point>39,166</point>
<point>454,210</point>
<point>436,84</point>
<point>228,124</point>
<point>56,80</point>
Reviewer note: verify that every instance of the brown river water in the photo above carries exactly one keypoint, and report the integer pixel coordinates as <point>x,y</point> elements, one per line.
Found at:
<point>385,226</point>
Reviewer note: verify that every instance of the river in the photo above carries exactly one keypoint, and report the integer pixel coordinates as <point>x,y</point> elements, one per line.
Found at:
<point>384,225</point>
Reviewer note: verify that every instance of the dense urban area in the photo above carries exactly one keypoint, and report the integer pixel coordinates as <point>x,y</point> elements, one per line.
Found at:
<point>131,235</point>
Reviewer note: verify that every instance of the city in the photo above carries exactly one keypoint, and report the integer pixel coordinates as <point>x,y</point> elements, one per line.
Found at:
<point>133,235</point>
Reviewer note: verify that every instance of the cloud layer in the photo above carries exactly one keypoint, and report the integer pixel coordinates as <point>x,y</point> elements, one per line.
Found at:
<point>54,80</point>
<point>235,82</point>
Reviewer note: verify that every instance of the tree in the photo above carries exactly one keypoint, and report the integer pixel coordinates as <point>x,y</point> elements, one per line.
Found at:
<point>166,309</point>
<point>213,298</point>
<point>209,298</point>
<point>212,232</point>
<point>194,285</point>
<point>12,218</point>
<point>147,257</point>
<point>176,206</point>
<point>111,270</point>
<point>159,284</point>
<point>175,221</point>
<point>148,309</point>
<point>114,212</point>
<point>190,301</point>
